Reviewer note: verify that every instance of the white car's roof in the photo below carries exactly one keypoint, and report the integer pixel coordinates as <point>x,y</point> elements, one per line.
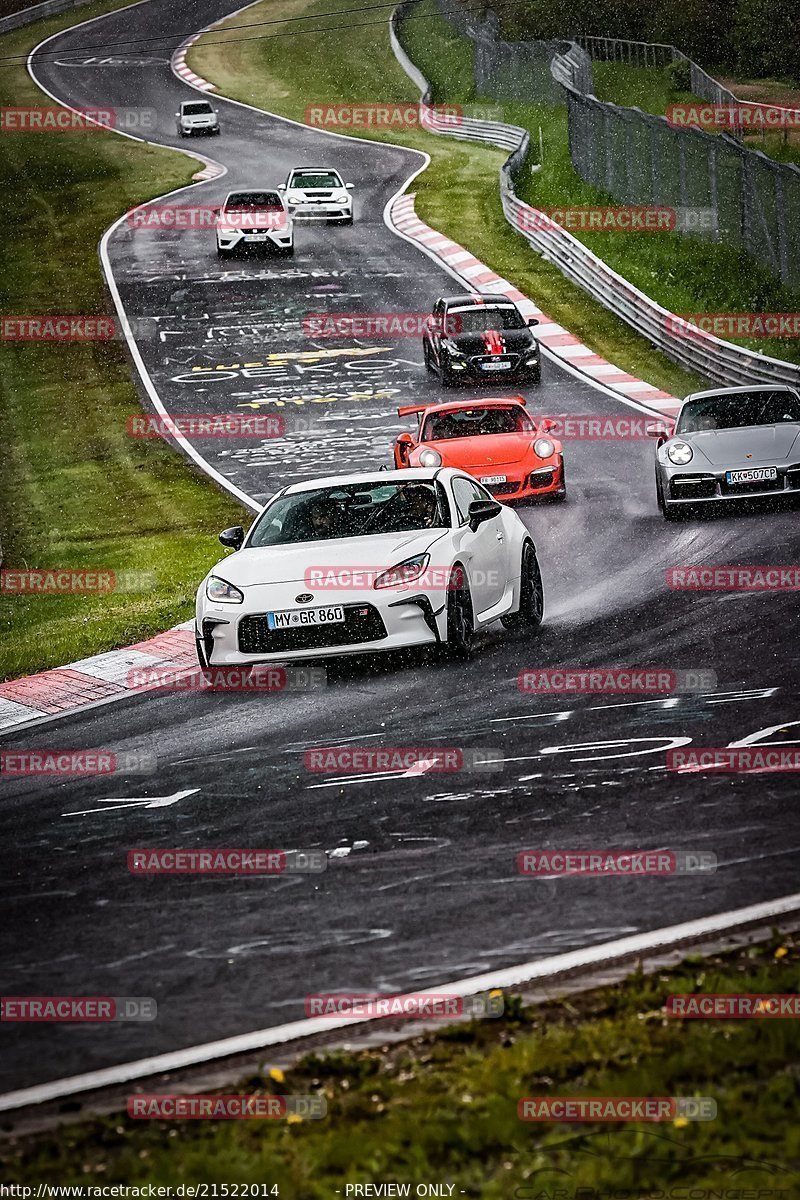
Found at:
<point>315,170</point>
<point>404,476</point>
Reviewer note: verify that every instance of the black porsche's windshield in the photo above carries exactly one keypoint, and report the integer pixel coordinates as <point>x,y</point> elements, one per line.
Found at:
<point>738,411</point>
<point>352,510</point>
<point>472,422</point>
<point>481,318</point>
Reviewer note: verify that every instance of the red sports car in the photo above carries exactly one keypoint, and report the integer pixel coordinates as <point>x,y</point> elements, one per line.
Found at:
<point>497,441</point>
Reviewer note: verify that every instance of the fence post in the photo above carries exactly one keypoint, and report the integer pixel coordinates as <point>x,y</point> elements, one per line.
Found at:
<point>780,225</point>
<point>713,187</point>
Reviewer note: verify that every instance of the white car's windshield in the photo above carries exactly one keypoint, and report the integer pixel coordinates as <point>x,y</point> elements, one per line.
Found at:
<point>253,202</point>
<point>197,109</point>
<point>738,411</point>
<point>315,179</point>
<point>352,510</point>
<point>472,422</point>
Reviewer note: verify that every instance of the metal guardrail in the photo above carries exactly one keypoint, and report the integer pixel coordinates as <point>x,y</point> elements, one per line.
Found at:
<point>704,354</point>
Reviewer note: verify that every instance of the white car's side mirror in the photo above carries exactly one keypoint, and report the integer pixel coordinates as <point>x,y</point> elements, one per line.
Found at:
<point>349,187</point>
<point>281,187</point>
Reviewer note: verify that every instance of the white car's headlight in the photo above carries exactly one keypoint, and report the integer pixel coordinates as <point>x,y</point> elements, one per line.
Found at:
<point>405,572</point>
<point>543,447</point>
<point>679,453</point>
<point>222,591</point>
<point>295,198</point>
<point>341,199</point>
<point>430,458</point>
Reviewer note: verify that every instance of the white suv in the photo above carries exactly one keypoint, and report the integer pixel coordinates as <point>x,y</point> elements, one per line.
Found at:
<point>318,193</point>
<point>254,218</point>
<point>196,116</point>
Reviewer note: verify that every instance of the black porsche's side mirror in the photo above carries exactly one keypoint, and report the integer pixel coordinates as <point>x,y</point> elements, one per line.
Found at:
<point>533,320</point>
<point>482,510</point>
<point>232,537</point>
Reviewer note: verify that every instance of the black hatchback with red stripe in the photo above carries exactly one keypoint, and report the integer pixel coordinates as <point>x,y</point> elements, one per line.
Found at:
<point>477,336</point>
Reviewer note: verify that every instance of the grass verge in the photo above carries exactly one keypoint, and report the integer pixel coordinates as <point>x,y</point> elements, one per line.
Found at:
<point>442,1108</point>
<point>75,490</point>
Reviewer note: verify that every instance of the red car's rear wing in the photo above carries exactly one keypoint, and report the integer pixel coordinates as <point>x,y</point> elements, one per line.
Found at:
<point>407,409</point>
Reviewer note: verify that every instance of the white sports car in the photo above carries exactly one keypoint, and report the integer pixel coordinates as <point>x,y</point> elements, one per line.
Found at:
<point>319,193</point>
<point>254,218</point>
<point>360,563</point>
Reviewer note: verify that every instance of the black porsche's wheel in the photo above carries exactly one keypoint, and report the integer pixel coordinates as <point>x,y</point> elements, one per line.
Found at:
<point>460,619</point>
<point>530,613</point>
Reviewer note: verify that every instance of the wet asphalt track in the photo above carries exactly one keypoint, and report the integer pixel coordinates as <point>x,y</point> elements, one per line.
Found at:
<point>431,891</point>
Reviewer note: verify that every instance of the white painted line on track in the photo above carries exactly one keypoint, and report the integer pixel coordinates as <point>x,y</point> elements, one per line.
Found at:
<point>605,954</point>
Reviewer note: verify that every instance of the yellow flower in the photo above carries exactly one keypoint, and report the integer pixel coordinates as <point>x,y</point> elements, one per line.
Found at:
<point>277,1074</point>
<point>781,952</point>
<point>294,1119</point>
<point>680,1122</point>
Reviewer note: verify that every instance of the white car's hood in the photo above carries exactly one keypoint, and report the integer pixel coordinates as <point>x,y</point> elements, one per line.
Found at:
<point>289,564</point>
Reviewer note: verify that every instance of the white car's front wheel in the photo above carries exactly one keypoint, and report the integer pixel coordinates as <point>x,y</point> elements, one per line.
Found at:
<point>531,594</point>
<point>460,618</point>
